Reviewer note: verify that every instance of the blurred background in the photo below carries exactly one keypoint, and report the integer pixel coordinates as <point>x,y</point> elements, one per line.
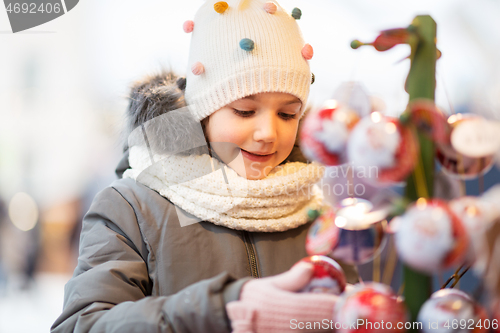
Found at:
<point>63,88</point>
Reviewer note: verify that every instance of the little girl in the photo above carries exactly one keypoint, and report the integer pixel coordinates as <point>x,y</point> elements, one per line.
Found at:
<point>141,267</point>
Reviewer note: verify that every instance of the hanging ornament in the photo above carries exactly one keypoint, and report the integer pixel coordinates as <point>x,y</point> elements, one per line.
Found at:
<point>429,120</point>
<point>452,310</point>
<point>355,97</point>
<point>324,133</point>
<point>362,231</point>
<point>466,137</point>
<point>328,277</point>
<point>430,237</point>
<point>477,216</point>
<point>382,144</point>
<point>323,234</point>
<point>369,308</point>
<point>476,137</point>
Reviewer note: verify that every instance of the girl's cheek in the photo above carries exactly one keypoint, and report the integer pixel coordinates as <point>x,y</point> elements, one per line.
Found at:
<point>231,134</point>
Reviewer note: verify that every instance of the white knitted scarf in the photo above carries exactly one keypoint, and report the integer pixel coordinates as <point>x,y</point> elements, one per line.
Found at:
<point>197,184</point>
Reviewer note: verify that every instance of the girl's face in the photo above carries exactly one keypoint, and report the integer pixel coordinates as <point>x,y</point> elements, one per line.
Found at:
<point>263,126</point>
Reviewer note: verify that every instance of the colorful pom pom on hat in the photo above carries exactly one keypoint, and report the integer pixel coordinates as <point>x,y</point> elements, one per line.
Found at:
<point>260,50</point>
<point>221,6</point>
<point>270,7</point>
<point>188,26</point>
<point>247,44</point>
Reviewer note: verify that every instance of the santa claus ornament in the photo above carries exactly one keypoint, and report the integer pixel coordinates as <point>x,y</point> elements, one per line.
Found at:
<point>429,120</point>
<point>451,310</point>
<point>386,149</point>
<point>328,277</point>
<point>323,234</point>
<point>362,231</point>
<point>370,307</point>
<point>430,238</point>
<point>477,216</point>
<point>324,133</point>
<point>472,145</point>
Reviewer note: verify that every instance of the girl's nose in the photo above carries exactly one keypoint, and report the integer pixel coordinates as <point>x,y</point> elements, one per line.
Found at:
<point>266,127</point>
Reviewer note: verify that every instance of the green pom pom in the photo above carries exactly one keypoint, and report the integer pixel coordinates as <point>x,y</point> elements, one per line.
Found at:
<point>247,44</point>
<point>313,214</point>
<point>296,13</point>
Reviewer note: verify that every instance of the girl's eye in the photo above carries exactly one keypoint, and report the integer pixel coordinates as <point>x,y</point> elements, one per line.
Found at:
<point>243,113</point>
<point>288,116</point>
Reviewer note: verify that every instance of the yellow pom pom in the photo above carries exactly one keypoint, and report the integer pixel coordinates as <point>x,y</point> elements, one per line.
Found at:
<point>221,6</point>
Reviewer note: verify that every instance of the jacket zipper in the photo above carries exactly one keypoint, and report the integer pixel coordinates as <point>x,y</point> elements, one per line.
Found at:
<point>251,255</point>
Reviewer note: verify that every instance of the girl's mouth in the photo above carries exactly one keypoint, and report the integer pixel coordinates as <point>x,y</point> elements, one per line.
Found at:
<point>257,157</point>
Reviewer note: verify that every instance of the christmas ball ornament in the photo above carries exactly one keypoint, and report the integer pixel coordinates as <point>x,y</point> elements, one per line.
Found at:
<point>430,120</point>
<point>430,237</point>
<point>323,234</point>
<point>324,133</point>
<point>355,97</point>
<point>459,165</point>
<point>370,307</point>
<point>328,277</point>
<point>477,216</point>
<point>382,143</point>
<point>362,231</point>
<point>452,310</point>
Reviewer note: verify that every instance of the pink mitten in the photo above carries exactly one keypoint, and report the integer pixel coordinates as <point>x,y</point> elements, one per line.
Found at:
<point>272,304</point>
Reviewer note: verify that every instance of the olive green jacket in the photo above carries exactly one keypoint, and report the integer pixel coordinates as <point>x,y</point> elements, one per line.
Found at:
<point>140,271</point>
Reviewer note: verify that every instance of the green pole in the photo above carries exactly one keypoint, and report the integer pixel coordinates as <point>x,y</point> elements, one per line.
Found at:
<point>421,83</point>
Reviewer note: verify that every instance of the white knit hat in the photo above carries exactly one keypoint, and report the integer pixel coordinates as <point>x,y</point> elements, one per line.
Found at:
<point>244,47</point>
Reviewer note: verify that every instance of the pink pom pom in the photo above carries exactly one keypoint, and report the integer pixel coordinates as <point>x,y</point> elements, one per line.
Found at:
<point>188,26</point>
<point>270,7</point>
<point>307,52</point>
<point>198,68</point>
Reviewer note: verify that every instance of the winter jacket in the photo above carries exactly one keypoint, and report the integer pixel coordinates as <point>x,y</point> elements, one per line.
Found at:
<point>140,271</point>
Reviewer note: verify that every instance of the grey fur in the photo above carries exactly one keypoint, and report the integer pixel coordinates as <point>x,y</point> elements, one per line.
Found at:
<point>152,97</point>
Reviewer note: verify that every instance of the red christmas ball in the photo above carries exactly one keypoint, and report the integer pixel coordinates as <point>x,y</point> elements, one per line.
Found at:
<point>328,277</point>
<point>370,307</point>
<point>324,133</point>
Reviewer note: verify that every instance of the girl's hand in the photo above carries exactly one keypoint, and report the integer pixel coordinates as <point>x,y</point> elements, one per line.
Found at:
<point>272,304</point>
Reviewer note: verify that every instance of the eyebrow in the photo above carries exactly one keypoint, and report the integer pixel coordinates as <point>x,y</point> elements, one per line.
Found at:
<point>293,101</point>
